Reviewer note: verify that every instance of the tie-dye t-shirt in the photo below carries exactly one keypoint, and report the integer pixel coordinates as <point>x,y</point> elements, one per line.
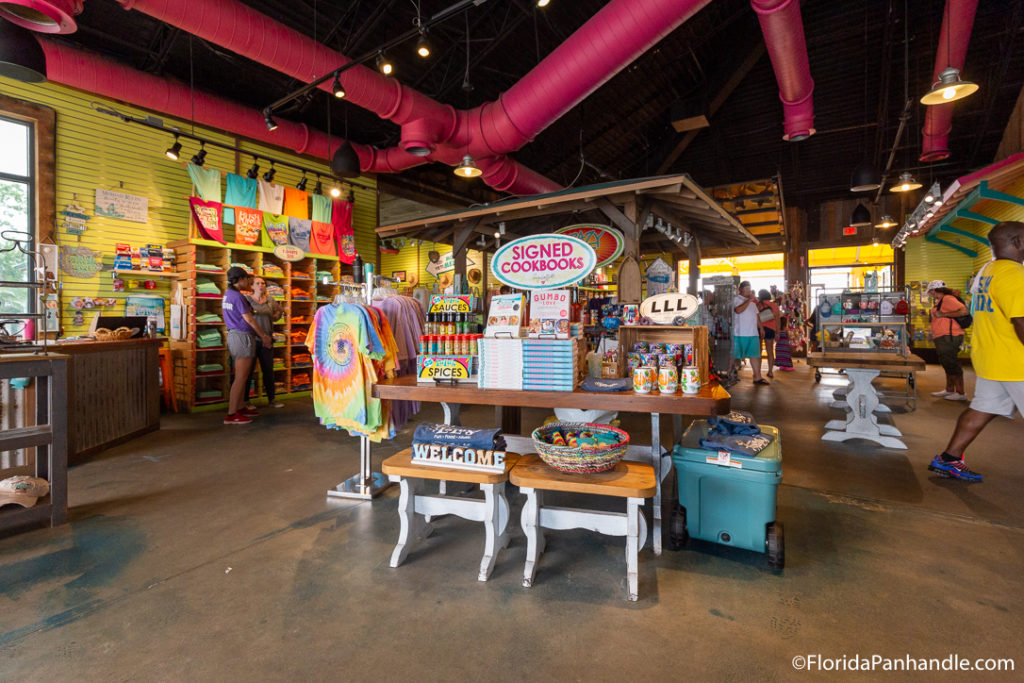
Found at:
<point>343,344</point>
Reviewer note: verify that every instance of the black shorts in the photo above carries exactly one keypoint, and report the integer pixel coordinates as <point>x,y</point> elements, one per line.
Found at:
<point>769,333</point>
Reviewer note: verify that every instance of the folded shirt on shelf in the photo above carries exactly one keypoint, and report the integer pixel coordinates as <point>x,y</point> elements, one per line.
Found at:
<point>275,291</point>
<point>209,393</point>
<point>209,338</point>
<point>208,267</point>
<point>273,270</point>
<point>208,318</point>
<point>451,435</point>
<point>243,266</point>
<point>204,286</point>
<point>322,275</point>
<point>279,337</point>
<point>301,359</point>
<point>210,367</point>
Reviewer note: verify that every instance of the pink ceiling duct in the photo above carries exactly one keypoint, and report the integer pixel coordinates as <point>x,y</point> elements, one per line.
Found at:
<point>783,30</point>
<point>957,23</point>
<point>44,16</point>
<point>89,72</point>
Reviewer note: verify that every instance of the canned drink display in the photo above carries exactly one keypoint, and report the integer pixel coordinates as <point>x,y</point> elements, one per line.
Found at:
<point>649,359</point>
<point>659,348</point>
<point>674,348</point>
<point>667,360</point>
<point>641,347</point>
<point>643,379</point>
<point>690,380</point>
<point>688,354</point>
<point>668,379</point>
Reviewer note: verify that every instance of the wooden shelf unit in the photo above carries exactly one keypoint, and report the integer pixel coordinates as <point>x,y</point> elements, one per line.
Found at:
<point>666,334</point>
<point>186,353</point>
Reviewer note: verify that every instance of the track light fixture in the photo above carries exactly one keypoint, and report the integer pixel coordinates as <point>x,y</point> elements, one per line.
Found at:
<point>174,151</point>
<point>906,183</point>
<point>468,169</point>
<point>254,170</point>
<point>269,120</point>
<point>886,222</point>
<point>271,172</point>
<point>336,88</point>
<point>301,185</point>
<point>543,3</point>
<point>199,158</point>
<point>423,45</point>
<point>384,65</point>
<point>319,187</point>
<point>335,191</point>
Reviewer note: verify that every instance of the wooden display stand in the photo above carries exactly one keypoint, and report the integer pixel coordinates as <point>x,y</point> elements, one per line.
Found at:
<point>666,334</point>
<point>187,355</point>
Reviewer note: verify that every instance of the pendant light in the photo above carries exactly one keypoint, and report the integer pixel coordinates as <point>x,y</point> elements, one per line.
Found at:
<point>384,65</point>
<point>468,169</point>
<point>950,87</point>
<point>861,216</point>
<point>886,222</point>
<point>337,88</point>
<point>906,183</point>
<point>345,161</point>
<point>865,178</point>
<point>21,56</point>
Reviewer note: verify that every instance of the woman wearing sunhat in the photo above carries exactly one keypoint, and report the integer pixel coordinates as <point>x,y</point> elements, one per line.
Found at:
<point>948,337</point>
<point>244,337</point>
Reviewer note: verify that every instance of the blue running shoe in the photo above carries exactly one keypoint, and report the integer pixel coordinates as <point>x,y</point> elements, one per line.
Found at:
<point>956,469</point>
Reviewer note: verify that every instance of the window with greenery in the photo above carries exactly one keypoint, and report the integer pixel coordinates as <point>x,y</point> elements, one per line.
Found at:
<point>17,186</point>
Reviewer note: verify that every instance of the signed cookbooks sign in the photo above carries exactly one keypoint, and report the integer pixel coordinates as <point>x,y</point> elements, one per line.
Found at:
<point>606,243</point>
<point>543,262</point>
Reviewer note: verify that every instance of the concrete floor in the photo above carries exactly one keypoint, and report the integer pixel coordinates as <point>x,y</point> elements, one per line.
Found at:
<point>211,553</point>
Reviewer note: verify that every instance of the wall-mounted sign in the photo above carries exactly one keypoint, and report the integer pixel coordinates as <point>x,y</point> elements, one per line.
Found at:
<point>543,262</point>
<point>458,457</point>
<point>130,207</point>
<point>450,304</point>
<point>444,263</point>
<point>669,309</point>
<point>79,261</point>
<point>289,252</point>
<point>430,368</point>
<point>659,277</point>
<point>606,242</point>
<point>849,230</point>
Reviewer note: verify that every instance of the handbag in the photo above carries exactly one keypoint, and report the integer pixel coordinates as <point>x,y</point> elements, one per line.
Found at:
<point>766,314</point>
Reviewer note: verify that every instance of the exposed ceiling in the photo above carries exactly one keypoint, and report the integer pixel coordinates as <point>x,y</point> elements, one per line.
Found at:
<point>856,58</point>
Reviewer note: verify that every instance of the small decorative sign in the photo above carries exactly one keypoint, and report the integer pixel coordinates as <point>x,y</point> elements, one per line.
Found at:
<point>504,316</point>
<point>659,277</point>
<point>606,242</point>
<point>668,309</point>
<point>450,368</point>
<point>130,207</point>
<point>543,262</point>
<point>289,252</point>
<point>75,217</point>
<point>79,261</point>
<point>450,304</point>
<point>459,457</point>
<point>549,313</point>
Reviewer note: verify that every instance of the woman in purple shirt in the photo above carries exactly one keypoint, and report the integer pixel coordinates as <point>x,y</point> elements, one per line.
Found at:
<point>243,338</point>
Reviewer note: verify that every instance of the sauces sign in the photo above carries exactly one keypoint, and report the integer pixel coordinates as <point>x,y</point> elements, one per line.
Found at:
<point>543,262</point>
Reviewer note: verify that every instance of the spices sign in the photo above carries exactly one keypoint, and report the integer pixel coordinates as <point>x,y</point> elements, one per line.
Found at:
<point>543,262</point>
<point>289,252</point>
<point>606,242</point>
<point>449,304</point>
<point>449,368</point>
<point>668,309</point>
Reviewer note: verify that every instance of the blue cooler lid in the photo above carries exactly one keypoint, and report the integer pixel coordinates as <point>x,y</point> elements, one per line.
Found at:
<point>689,449</point>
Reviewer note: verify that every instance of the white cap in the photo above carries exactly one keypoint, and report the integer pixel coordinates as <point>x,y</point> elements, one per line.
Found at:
<point>22,490</point>
<point>935,284</point>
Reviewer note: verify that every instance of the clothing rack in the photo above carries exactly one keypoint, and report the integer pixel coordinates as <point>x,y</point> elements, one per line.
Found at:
<point>366,484</point>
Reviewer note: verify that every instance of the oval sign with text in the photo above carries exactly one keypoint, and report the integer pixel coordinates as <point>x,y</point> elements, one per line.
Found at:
<point>543,262</point>
<point>606,242</point>
<point>666,309</point>
<point>289,252</point>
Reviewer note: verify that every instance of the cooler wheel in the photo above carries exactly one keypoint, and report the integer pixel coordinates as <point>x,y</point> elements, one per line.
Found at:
<point>678,536</point>
<point>817,376</point>
<point>775,546</point>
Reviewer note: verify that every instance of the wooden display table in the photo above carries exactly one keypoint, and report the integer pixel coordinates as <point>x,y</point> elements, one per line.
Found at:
<point>493,510</point>
<point>712,400</point>
<point>861,399</point>
<point>630,480</point>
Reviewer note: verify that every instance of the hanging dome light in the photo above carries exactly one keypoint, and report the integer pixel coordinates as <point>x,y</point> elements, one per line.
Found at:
<point>345,162</point>
<point>468,169</point>
<point>865,178</point>
<point>861,216</point>
<point>949,88</point>
<point>886,222</point>
<point>906,183</point>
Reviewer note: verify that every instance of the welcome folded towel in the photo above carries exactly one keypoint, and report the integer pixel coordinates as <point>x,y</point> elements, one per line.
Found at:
<point>467,437</point>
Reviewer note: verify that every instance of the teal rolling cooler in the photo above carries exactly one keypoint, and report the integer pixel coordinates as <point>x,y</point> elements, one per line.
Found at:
<point>728,498</point>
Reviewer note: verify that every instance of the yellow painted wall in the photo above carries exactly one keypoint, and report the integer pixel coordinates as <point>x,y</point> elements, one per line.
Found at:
<point>97,151</point>
<point>927,261</point>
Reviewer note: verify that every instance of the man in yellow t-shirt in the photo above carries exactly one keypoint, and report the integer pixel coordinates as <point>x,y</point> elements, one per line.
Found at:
<point>997,350</point>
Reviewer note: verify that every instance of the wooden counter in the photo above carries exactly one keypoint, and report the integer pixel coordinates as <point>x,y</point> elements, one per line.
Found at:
<point>870,360</point>
<point>113,392</point>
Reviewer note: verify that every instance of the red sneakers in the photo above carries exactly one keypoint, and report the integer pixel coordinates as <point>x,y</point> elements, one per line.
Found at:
<point>237,419</point>
<point>249,412</point>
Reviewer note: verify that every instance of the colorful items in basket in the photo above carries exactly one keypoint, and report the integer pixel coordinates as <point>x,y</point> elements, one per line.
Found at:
<point>580,447</point>
<point>736,432</point>
<point>272,270</point>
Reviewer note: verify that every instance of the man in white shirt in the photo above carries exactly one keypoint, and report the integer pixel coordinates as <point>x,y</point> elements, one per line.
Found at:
<point>746,330</point>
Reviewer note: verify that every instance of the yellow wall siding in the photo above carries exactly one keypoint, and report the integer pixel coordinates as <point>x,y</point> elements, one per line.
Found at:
<point>927,261</point>
<point>97,151</point>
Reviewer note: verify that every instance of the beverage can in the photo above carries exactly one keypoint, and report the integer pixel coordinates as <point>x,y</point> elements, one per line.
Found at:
<point>666,360</point>
<point>643,379</point>
<point>649,359</point>
<point>690,380</point>
<point>641,347</point>
<point>688,354</point>
<point>668,379</point>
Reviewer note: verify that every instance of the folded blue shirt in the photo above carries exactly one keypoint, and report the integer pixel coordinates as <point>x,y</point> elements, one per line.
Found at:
<point>736,422</point>
<point>595,384</point>
<point>467,437</point>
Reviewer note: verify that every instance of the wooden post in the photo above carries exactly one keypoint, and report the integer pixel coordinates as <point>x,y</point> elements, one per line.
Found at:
<point>693,252</point>
<point>459,247</point>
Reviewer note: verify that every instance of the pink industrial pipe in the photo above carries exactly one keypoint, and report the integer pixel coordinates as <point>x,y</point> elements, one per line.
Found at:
<point>957,23</point>
<point>783,30</point>
<point>43,16</point>
<point>89,72</point>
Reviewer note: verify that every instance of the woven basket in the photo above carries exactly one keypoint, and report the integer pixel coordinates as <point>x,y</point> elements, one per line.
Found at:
<point>580,459</point>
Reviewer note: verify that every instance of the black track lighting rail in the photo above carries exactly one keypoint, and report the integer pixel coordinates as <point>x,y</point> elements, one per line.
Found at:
<point>157,124</point>
<point>414,32</point>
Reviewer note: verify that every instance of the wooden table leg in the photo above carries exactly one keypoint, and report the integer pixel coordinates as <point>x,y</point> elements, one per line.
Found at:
<point>534,533</point>
<point>413,529</point>
<point>510,419</point>
<point>495,526</point>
